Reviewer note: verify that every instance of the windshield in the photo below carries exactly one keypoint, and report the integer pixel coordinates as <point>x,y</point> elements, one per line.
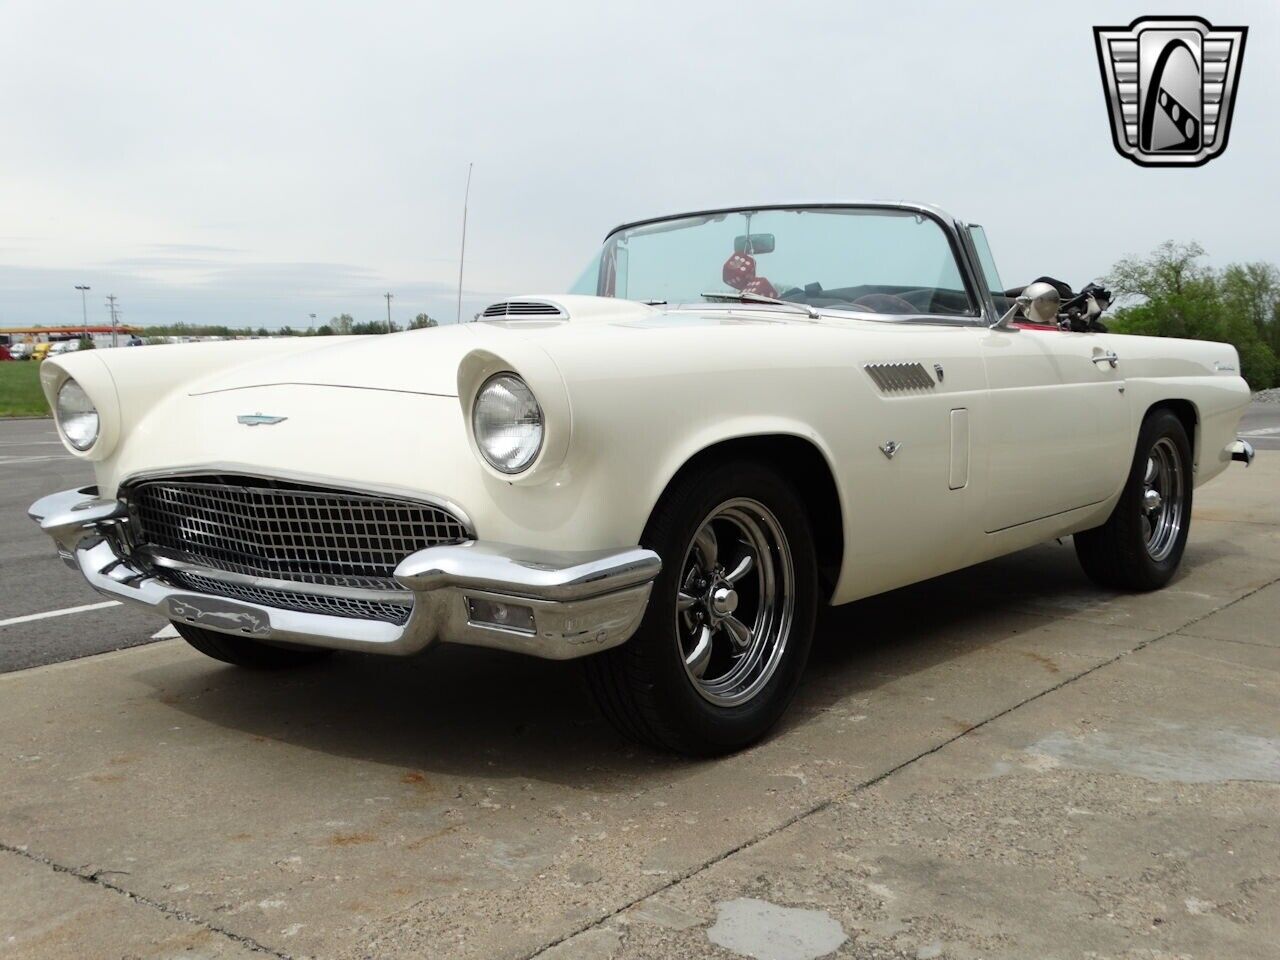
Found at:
<point>891,262</point>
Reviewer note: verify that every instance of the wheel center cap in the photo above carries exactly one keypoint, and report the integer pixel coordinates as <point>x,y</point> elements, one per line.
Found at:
<point>724,600</point>
<point>1152,500</point>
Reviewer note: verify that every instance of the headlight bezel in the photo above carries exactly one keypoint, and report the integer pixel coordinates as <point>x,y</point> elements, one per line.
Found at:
<point>73,412</point>
<point>508,467</point>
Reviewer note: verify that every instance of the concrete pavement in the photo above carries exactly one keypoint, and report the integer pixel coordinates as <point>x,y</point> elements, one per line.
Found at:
<point>1005,762</point>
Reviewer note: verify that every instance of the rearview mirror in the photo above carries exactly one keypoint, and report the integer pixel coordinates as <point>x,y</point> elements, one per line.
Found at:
<point>753,243</point>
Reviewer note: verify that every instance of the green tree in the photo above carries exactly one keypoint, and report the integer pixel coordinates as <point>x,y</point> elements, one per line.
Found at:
<point>1252,291</point>
<point>324,330</point>
<point>422,321</point>
<point>1176,295</point>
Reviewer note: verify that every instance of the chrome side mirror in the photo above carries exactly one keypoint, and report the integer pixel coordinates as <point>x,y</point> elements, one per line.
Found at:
<point>1040,301</point>
<point>1043,302</point>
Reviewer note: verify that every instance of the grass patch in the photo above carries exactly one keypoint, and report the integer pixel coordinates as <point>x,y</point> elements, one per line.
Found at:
<point>20,393</point>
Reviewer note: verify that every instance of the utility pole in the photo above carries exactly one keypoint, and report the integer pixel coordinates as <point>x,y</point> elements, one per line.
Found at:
<point>388,296</point>
<point>111,303</point>
<point>84,309</point>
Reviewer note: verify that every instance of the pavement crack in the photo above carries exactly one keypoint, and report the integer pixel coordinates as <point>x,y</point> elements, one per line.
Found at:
<point>97,879</point>
<point>842,796</point>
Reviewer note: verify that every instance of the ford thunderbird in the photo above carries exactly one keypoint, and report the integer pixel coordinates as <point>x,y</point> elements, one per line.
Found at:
<point>738,416</point>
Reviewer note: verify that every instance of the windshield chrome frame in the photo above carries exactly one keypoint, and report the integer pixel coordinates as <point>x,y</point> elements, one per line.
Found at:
<point>956,232</point>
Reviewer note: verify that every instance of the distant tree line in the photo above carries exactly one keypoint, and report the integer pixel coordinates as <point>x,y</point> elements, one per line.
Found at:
<point>341,325</point>
<point>1178,296</point>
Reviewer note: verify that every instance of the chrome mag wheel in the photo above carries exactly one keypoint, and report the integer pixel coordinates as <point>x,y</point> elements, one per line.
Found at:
<point>735,602</point>
<point>1164,489</point>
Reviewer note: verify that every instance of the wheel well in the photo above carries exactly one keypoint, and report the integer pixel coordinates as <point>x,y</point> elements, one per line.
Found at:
<point>806,468</point>
<point>1185,411</point>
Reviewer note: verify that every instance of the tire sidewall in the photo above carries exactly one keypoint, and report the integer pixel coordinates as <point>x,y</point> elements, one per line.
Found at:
<point>713,728</point>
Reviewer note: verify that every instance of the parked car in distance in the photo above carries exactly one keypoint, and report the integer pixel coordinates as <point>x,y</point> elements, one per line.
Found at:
<point>740,415</point>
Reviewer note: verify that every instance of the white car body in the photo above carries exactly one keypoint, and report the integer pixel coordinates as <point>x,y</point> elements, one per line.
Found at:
<point>1018,437</point>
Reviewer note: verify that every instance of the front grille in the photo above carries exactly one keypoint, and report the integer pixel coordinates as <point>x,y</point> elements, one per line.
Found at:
<point>288,531</point>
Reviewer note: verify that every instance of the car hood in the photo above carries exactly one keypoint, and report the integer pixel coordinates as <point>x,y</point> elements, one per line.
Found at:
<point>427,361</point>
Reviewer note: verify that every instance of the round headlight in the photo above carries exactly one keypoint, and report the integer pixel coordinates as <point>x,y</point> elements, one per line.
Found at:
<point>77,416</point>
<point>507,423</point>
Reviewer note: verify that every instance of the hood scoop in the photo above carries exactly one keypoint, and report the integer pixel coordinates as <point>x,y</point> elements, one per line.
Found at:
<point>525,309</point>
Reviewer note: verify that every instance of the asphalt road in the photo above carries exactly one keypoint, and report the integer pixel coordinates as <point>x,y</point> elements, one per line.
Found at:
<point>1261,426</point>
<point>34,583</point>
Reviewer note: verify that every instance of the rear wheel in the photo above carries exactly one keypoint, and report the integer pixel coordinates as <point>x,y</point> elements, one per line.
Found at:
<point>727,632</point>
<point>1141,544</point>
<point>244,652</point>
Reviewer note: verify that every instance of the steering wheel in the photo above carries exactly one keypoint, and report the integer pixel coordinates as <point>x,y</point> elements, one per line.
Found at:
<point>885,303</point>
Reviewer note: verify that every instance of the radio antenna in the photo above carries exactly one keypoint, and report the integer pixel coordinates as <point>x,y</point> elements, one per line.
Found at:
<point>462,255</point>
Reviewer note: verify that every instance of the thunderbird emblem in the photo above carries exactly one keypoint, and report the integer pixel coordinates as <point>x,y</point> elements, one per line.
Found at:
<point>1170,84</point>
<point>258,420</point>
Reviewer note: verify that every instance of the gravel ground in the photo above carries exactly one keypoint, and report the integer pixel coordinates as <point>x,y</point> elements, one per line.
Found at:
<point>1267,396</point>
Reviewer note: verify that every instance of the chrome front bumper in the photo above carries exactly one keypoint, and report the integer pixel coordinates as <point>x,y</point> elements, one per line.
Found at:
<point>580,603</point>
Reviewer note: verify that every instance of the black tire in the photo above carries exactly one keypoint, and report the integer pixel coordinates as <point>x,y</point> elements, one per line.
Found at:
<point>643,686</point>
<point>243,652</point>
<point>1118,554</point>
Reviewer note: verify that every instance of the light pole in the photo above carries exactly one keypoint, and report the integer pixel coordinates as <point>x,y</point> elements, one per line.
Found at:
<point>388,296</point>
<point>84,309</point>
<point>313,321</point>
<point>111,304</point>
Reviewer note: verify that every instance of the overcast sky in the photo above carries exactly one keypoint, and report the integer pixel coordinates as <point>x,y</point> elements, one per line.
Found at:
<point>252,163</point>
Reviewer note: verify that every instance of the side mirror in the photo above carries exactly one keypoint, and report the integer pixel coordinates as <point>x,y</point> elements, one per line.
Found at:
<point>1040,301</point>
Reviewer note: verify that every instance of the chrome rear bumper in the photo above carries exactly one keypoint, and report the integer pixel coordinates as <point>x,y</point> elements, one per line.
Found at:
<point>1241,450</point>
<point>562,605</point>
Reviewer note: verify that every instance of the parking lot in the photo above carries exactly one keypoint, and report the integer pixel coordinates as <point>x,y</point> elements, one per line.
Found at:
<point>1003,762</point>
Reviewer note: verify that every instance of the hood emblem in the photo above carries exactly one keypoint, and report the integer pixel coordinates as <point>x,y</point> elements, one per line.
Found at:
<point>259,420</point>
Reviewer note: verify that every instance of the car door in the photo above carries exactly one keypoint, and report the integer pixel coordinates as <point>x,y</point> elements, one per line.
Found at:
<point>1059,423</point>
<point>1058,434</point>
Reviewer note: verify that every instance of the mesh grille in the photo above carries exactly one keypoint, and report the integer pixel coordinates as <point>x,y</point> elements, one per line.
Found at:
<point>283,599</point>
<point>288,531</point>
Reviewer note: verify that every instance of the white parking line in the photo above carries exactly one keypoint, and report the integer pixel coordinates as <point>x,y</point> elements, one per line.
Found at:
<point>1261,432</point>
<point>59,613</point>
<point>10,461</point>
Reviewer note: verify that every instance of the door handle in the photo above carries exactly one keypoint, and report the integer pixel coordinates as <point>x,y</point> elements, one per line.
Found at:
<point>1108,357</point>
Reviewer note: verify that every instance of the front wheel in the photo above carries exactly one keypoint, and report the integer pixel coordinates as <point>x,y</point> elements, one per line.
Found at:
<point>1141,544</point>
<point>727,632</point>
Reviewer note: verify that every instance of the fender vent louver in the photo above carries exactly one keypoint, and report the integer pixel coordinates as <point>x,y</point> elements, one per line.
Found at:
<point>512,309</point>
<point>897,377</point>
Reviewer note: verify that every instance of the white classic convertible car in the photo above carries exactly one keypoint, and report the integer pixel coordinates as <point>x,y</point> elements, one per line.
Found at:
<point>740,415</point>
